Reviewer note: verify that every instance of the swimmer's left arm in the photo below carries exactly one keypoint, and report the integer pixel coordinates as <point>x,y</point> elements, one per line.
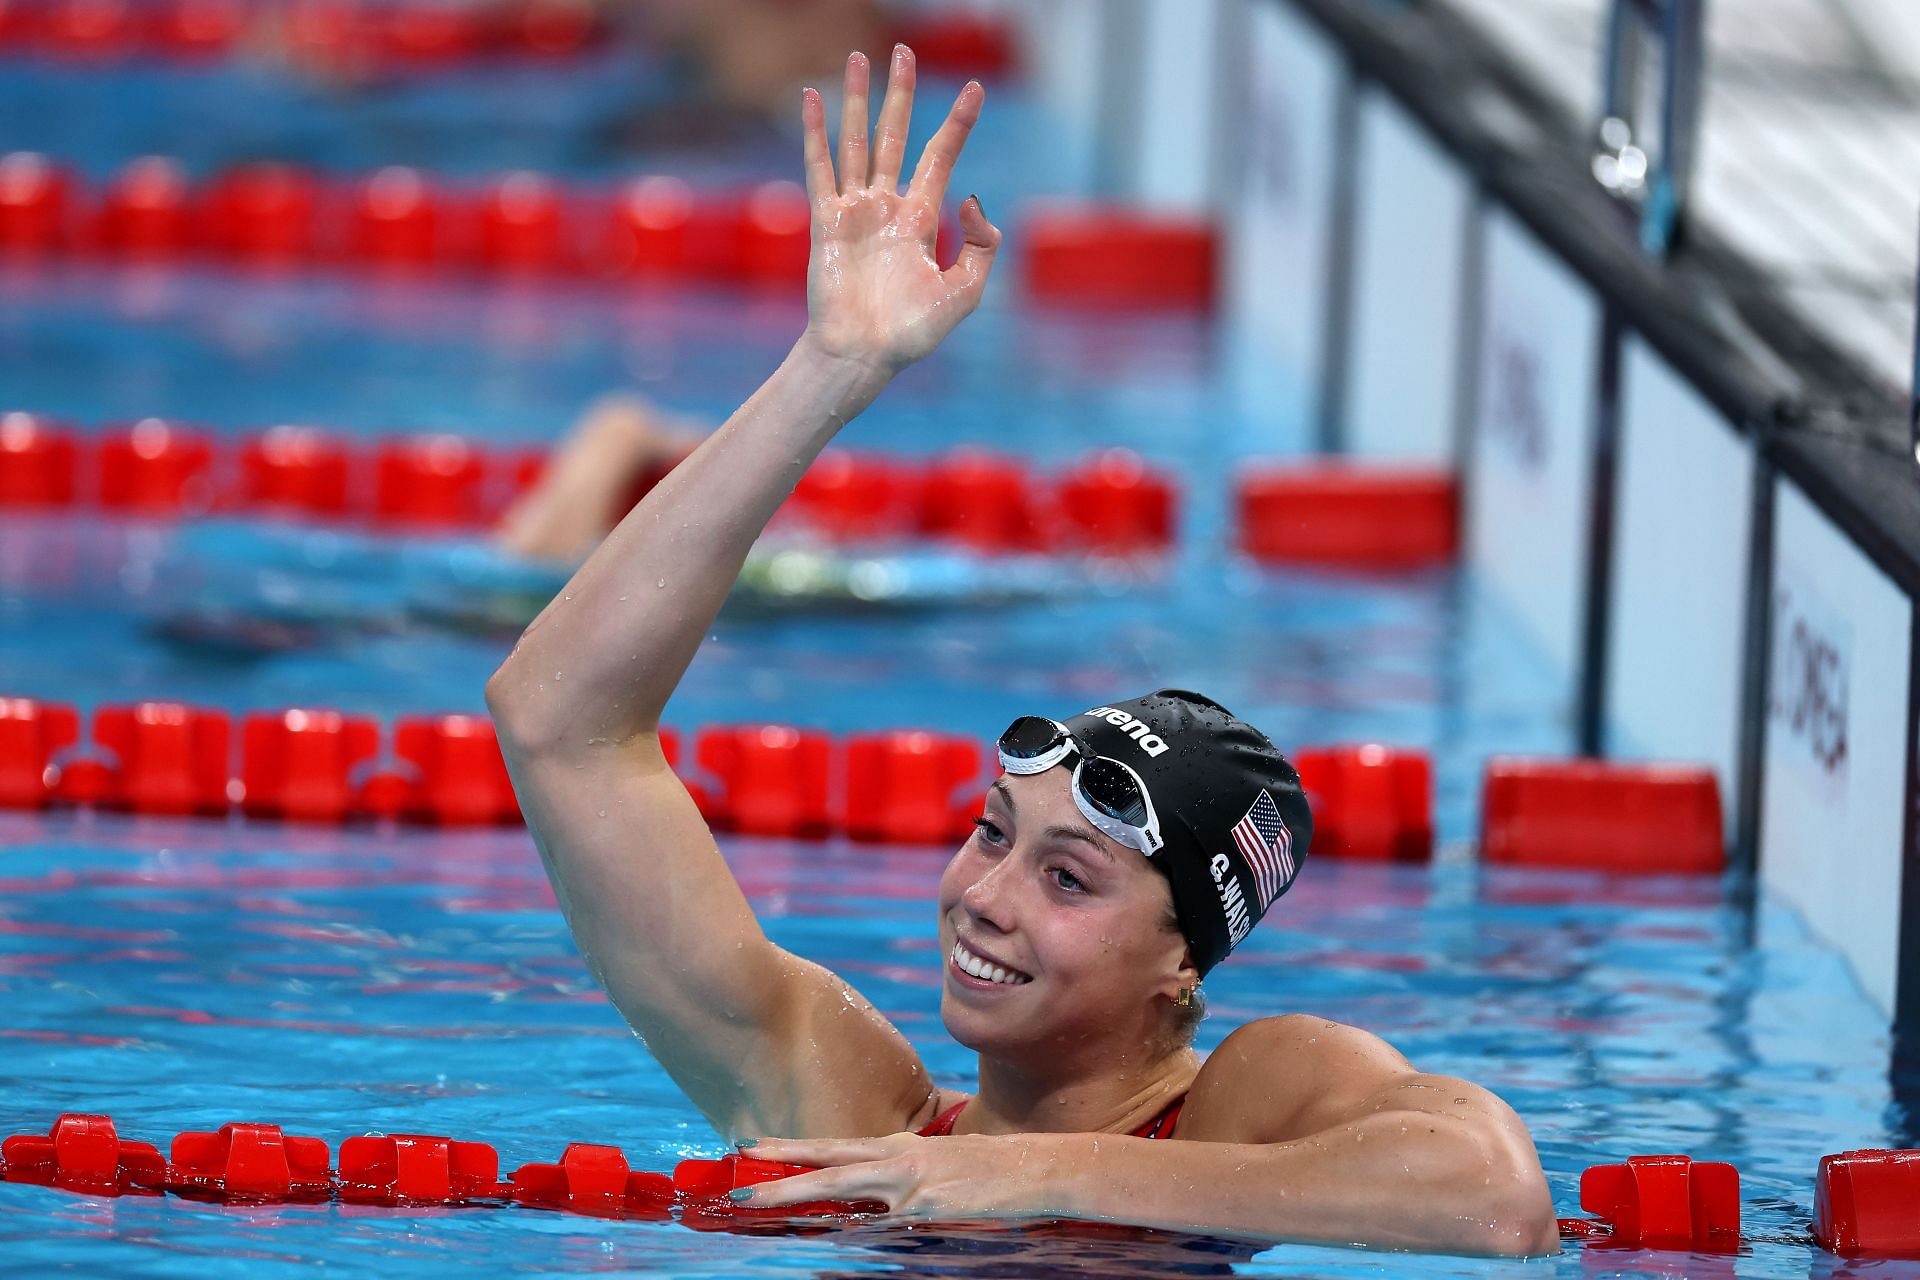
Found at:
<point>1388,1158</point>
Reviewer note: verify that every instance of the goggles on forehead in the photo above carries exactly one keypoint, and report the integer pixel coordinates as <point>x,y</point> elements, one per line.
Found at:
<point>1108,793</point>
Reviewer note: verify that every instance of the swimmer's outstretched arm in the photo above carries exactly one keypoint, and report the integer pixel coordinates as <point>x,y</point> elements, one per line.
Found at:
<point>1297,1130</point>
<point>762,1041</point>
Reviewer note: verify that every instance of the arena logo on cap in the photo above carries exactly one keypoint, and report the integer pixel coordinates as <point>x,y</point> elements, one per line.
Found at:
<point>1134,727</point>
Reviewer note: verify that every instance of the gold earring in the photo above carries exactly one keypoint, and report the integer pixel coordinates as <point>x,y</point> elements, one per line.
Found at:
<point>1184,998</point>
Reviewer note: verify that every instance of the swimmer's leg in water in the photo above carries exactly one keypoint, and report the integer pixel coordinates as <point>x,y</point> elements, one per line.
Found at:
<point>585,487</point>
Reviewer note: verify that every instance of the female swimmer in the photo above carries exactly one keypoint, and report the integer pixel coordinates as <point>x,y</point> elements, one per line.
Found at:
<point>1121,854</point>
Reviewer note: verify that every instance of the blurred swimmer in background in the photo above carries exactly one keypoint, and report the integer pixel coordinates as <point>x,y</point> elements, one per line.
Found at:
<point>1122,853</point>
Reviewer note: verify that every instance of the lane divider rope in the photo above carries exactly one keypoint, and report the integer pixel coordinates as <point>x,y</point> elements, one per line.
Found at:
<point>1865,1201</point>
<point>320,765</point>
<point>1109,502</point>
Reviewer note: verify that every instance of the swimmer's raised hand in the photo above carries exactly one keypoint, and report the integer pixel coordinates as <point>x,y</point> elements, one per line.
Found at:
<point>762,1040</point>
<point>874,292</point>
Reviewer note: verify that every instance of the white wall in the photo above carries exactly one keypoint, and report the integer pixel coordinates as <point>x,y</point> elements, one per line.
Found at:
<point>1682,525</point>
<point>1063,49</point>
<point>1833,788</point>
<point>1530,450</point>
<point>1409,269</point>
<point>1280,222</point>
<point>1175,161</point>
<point>1145,90</point>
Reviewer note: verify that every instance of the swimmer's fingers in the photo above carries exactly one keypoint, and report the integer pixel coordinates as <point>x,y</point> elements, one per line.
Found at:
<point>824,1153</point>
<point>896,115</point>
<point>844,1169</point>
<point>943,149</point>
<point>819,162</point>
<point>968,274</point>
<point>870,1181</point>
<point>853,125</point>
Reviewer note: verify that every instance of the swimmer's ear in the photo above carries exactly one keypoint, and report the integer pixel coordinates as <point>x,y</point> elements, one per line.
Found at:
<point>1185,977</point>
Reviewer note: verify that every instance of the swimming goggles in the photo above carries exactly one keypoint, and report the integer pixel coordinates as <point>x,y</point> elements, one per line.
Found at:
<point>1107,791</point>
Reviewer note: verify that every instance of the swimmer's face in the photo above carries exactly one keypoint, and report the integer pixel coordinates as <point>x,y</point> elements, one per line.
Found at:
<point>1081,925</point>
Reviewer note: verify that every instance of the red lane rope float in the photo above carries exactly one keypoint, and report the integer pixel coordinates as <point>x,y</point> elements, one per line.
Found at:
<point>1602,815</point>
<point>594,1180</point>
<point>323,766</point>
<point>83,1153</point>
<point>1649,1202</point>
<point>1348,515</point>
<point>31,734</point>
<point>37,461</point>
<point>261,1164</point>
<point>407,1168</point>
<point>400,37</point>
<point>1660,1202</point>
<point>911,787</point>
<point>1107,256</point>
<point>1867,1204</point>
<point>296,765</point>
<point>1109,503</point>
<point>160,758</point>
<point>249,1163</point>
<point>1369,802</point>
<point>279,216</point>
<point>387,37</point>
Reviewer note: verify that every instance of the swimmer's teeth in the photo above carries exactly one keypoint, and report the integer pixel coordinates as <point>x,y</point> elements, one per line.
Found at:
<point>989,972</point>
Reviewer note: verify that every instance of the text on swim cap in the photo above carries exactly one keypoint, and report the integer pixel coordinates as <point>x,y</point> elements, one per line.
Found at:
<point>1232,902</point>
<point>1150,742</point>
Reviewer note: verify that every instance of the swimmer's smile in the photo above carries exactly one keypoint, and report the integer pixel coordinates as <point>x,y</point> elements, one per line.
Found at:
<point>973,970</point>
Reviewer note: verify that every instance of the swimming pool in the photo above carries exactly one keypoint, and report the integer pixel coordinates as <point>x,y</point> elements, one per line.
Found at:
<point>181,974</point>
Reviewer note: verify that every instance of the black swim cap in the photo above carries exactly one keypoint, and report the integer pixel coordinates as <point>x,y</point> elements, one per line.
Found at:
<point>1231,809</point>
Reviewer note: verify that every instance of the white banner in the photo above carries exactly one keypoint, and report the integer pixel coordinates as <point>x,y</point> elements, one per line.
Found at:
<point>1530,450</point>
<point>1834,780</point>
<point>1682,534</point>
<point>1175,158</point>
<point>1281,224</point>
<point>1409,266</point>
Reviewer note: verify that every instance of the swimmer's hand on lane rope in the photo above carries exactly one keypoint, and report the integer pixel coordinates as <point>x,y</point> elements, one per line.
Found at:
<point>949,1178</point>
<point>874,292</point>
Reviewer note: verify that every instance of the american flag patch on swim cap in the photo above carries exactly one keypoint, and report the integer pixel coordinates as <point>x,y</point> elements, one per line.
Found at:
<point>1267,844</point>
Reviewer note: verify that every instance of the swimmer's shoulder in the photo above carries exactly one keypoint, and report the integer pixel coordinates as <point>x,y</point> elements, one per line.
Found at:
<point>1277,1079</point>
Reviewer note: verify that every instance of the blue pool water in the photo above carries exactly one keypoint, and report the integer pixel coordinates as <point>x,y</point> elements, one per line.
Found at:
<point>181,974</point>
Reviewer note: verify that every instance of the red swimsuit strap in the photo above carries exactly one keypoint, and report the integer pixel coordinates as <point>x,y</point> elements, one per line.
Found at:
<point>1161,1126</point>
<point>943,1123</point>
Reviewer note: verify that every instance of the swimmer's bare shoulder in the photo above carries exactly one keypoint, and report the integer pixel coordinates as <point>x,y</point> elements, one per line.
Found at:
<point>1286,1078</point>
<point>1295,1077</point>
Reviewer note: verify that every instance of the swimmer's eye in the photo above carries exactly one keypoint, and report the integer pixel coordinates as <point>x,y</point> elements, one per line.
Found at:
<point>989,831</point>
<point>1065,879</point>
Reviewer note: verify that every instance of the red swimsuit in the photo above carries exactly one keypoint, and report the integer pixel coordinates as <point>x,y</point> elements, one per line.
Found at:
<point>1161,1126</point>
